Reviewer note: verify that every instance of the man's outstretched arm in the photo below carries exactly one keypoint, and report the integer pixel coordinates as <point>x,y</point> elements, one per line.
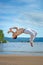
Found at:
<point>10,30</point>
<point>14,28</point>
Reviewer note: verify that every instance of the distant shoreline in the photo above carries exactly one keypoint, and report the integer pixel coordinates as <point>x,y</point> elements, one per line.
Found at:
<point>22,39</point>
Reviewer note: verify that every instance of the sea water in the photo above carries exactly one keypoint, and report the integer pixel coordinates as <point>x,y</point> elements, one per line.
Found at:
<point>22,48</point>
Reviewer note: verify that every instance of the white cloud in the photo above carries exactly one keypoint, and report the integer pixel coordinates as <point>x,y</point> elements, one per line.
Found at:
<point>31,18</point>
<point>23,13</point>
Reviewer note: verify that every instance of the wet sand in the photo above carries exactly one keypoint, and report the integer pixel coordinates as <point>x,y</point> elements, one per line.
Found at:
<point>20,60</point>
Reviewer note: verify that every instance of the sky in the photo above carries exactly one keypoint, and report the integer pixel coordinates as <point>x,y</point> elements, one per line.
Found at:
<point>21,13</point>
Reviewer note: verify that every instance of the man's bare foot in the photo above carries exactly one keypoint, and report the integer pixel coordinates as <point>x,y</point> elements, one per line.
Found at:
<point>31,44</point>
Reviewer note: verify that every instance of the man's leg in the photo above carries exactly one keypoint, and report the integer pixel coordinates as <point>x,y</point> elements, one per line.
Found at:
<point>33,37</point>
<point>31,40</point>
<point>35,33</point>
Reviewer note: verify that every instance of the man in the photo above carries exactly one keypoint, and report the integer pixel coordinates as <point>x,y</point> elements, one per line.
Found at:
<point>19,31</point>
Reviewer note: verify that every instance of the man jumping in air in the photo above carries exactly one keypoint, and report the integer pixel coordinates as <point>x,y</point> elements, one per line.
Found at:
<point>19,31</point>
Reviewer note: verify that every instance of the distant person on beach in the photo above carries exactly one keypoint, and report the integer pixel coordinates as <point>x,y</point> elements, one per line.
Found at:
<point>19,31</point>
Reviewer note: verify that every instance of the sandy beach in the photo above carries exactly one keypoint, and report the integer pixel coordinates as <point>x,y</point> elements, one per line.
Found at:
<point>20,60</point>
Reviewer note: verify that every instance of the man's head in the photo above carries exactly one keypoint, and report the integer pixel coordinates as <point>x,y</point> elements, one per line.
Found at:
<point>15,37</point>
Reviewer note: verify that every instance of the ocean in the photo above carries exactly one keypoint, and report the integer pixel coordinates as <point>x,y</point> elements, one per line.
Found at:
<point>22,47</point>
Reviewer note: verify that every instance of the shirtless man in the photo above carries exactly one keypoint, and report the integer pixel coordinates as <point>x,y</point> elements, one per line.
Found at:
<point>19,31</point>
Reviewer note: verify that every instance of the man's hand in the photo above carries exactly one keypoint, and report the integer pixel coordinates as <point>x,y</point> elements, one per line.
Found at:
<point>8,32</point>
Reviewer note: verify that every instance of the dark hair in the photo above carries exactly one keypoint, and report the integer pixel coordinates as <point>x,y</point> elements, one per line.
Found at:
<point>15,37</point>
